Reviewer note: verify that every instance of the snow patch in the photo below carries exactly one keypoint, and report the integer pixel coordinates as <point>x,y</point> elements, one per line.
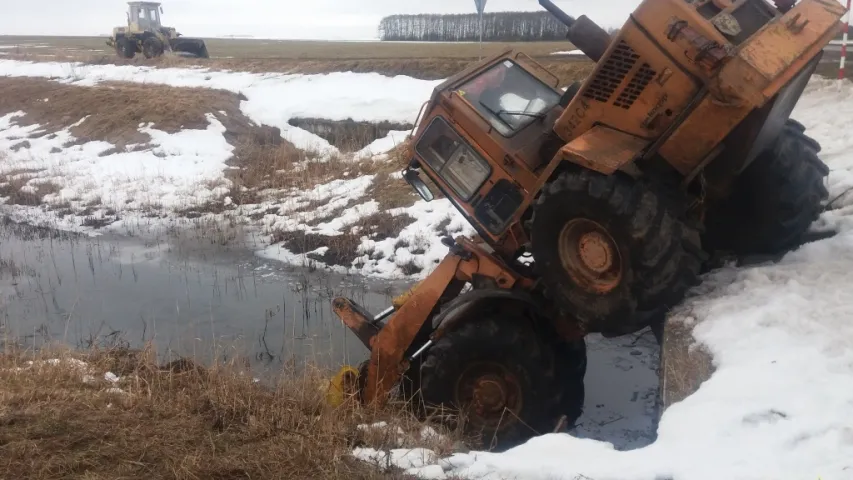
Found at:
<point>272,98</point>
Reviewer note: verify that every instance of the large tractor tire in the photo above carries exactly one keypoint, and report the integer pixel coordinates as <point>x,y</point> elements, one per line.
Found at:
<point>612,251</point>
<point>152,47</point>
<point>125,48</point>
<point>774,201</point>
<point>507,382</point>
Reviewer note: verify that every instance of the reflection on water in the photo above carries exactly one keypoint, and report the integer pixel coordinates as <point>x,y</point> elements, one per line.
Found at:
<point>61,287</point>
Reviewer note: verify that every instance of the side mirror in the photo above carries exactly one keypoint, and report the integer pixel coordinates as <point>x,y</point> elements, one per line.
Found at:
<point>415,181</point>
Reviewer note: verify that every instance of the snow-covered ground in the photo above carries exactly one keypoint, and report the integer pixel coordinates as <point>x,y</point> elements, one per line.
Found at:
<point>271,98</point>
<point>177,172</point>
<point>781,336</point>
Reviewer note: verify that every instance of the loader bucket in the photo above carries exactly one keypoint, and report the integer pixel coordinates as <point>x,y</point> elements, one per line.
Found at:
<point>193,46</point>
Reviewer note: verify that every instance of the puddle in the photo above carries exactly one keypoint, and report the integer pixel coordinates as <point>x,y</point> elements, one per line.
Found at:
<point>198,299</point>
<point>82,291</point>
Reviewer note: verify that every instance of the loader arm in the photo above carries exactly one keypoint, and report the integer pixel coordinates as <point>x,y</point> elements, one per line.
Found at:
<point>388,344</point>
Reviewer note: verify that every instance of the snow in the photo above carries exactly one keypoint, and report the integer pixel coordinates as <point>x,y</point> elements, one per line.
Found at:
<point>385,144</point>
<point>272,98</point>
<point>781,336</point>
<point>180,170</point>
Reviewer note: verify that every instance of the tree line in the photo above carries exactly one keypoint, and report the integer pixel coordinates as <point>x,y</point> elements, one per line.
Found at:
<point>497,27</point>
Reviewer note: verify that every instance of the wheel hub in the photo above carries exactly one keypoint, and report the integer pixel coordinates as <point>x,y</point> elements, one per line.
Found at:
<point>590,255</point>
<point>491,394</point>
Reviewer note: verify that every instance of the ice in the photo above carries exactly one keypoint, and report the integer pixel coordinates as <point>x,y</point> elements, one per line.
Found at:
<point>272,98</point>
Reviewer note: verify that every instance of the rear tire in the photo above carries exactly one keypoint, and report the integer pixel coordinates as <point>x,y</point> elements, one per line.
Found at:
<point>510,382</point>
<point>609,248</point>
<point>152,47</point>
<point>125,48</point>
<point>774,201</point>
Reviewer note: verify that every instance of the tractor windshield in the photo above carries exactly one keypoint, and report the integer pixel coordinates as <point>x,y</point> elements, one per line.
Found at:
<point>509,97</point>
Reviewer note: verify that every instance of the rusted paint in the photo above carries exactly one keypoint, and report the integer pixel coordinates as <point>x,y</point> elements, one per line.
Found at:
<point>603,149</point>
<point>386,360</point>
<point>356,319</point>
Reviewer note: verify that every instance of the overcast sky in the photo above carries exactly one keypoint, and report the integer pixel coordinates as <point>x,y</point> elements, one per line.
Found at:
<point>292,19</point>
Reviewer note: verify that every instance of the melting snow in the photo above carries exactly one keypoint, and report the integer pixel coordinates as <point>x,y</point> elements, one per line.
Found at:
<point>272,98</point>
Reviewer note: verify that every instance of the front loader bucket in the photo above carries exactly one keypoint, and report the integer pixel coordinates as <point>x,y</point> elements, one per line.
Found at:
<point>193,46</point>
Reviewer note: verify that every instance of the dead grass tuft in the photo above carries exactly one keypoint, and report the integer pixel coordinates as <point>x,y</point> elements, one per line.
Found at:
<point>18,190</point>
<point>343,249</point>
<point>685,365</point>
<point>179,420</point>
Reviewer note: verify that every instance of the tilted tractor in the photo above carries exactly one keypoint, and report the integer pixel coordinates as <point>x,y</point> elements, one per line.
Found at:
<point>596,207</point>
<point>145,34</point>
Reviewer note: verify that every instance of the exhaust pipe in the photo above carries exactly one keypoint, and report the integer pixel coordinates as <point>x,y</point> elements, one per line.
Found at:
<point>584,34</point>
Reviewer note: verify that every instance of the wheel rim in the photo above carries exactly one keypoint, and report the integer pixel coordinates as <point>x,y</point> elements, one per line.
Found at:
<point>590,256</point>
<point>491,395</point>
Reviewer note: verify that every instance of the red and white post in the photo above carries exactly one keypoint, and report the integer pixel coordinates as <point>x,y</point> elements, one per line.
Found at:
<point>844,42</point>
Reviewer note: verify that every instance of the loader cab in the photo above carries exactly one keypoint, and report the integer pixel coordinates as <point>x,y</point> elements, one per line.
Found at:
<point>486,139</point>
<point>144,16</point>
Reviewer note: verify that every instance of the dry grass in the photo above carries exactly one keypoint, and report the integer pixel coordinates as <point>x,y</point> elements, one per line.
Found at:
<point>115,110</point>
<point>179,421</point>
<point>343,249</point>
<point>685,365</point>
<point>429,61</point>
<point>15,186</point>
<point>347,135</point>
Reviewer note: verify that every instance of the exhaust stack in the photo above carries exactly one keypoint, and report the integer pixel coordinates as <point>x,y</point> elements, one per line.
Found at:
<point>585,34</point>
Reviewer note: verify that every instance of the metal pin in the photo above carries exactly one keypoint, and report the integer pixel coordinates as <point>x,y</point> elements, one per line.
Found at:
<point>420,351</point>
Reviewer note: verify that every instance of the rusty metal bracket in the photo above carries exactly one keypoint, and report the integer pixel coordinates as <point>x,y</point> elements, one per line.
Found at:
<point>709,53</point>
<point>356,319</point>
<point>795,27</point>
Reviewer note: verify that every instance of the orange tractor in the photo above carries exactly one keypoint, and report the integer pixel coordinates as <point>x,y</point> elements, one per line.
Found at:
<point>596,206</point>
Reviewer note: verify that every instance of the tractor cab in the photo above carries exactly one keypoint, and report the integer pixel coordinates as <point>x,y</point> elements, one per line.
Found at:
<point>142,16</point>
<point>486,138</point>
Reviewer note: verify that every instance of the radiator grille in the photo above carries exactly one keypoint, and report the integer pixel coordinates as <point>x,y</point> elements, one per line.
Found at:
<point>639,83</point>
<point>620,62</point>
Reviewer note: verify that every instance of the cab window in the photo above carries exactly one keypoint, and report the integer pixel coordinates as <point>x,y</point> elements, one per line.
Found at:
<point>509,97</point>
<point>453,159</point>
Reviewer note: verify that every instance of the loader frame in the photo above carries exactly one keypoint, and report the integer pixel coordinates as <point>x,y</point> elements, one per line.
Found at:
<point>391,345</point>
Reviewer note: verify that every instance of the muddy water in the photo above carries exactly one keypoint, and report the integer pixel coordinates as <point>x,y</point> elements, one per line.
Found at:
<point>194,298</point>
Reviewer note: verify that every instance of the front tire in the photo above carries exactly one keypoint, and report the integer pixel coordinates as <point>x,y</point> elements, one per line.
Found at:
<point>125,48</point>
<point>509,382</point>
<point>152,47</point>
<point>609,248</point>
<point>774,201</point>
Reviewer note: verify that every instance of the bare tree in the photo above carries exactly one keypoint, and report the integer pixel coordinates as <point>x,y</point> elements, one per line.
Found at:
<point>497,27</point>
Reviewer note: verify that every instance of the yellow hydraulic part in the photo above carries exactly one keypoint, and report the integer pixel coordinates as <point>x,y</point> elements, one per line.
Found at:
<point>342,386</point>
<point>401,300</point>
